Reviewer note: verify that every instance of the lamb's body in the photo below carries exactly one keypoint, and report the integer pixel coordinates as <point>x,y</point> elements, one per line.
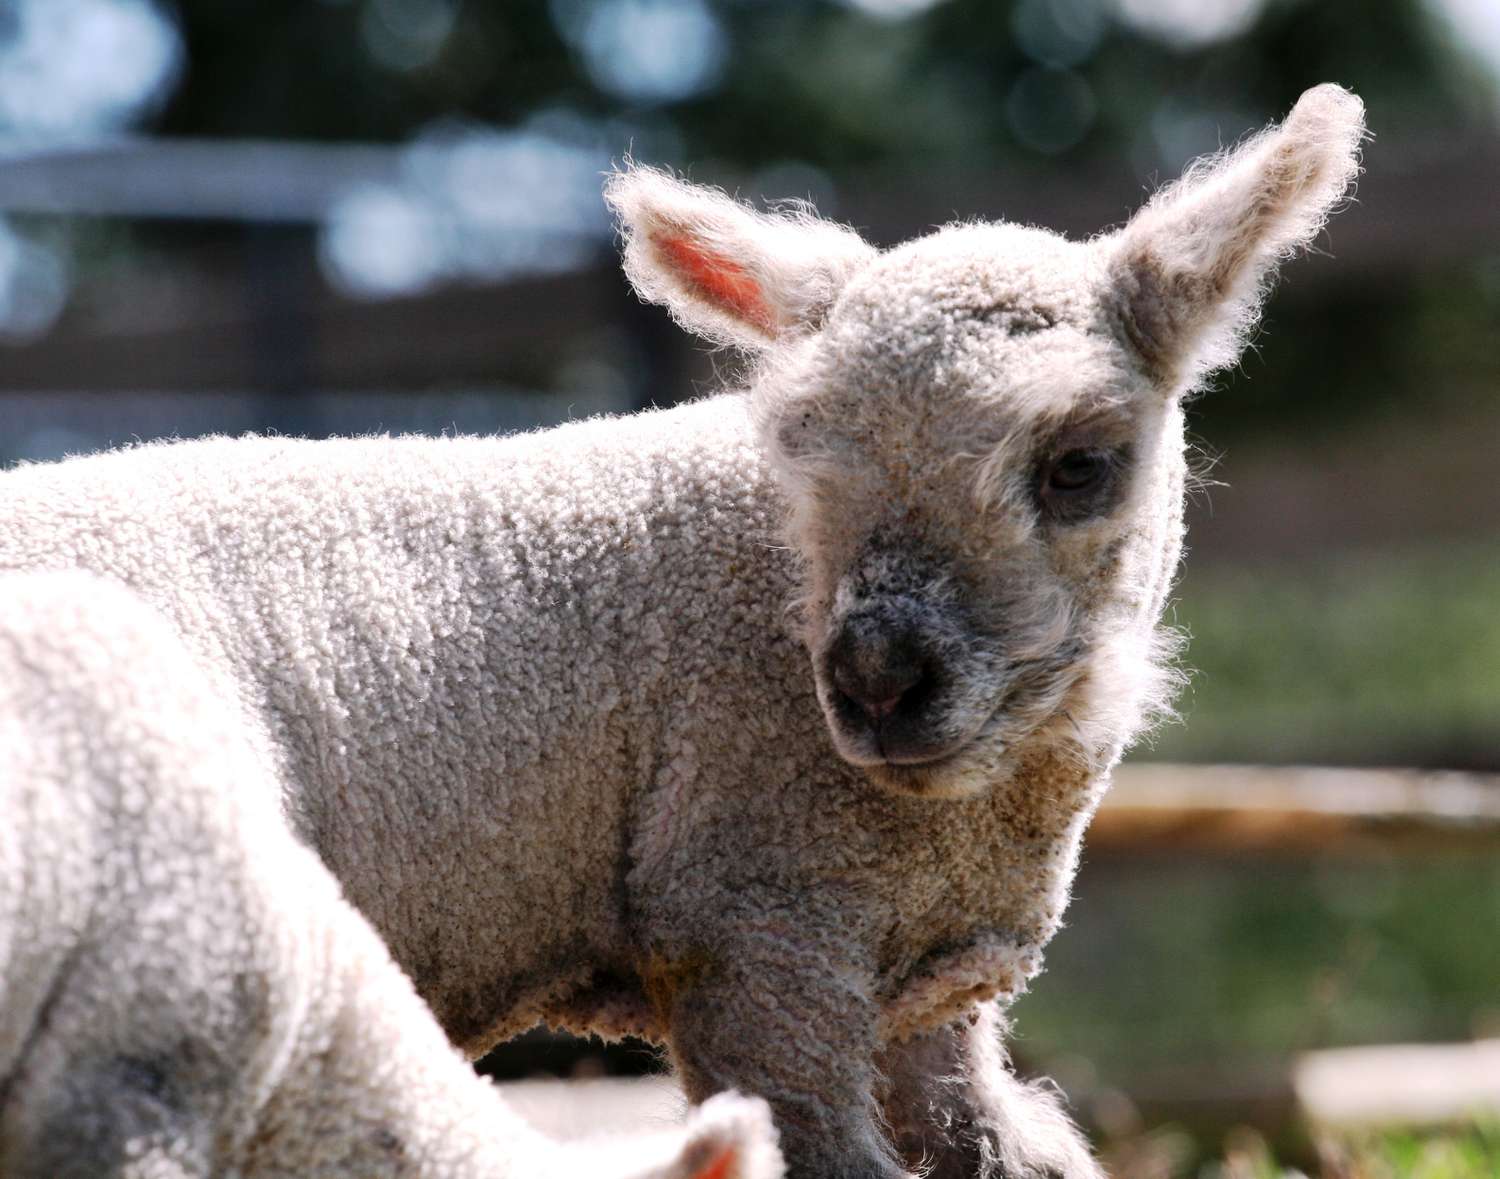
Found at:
<point>545,709</point>
<point>465,659</point>
<point>536,704</point>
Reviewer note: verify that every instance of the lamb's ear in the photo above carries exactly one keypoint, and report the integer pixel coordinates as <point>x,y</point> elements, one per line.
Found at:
<point>725,271</point>
<point>1189,270</point>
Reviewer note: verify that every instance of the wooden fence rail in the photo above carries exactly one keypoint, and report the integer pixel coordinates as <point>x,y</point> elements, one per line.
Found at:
<point>1295,809</point>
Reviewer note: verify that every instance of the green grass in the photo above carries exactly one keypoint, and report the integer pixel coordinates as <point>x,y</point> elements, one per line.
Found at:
<point>1469,1153</point>
<point>1170,964</point>
<point>1463,1152</point>
<point>1356,659</point>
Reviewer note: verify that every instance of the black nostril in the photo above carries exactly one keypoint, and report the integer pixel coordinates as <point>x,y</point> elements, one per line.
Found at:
<point>876,687</point>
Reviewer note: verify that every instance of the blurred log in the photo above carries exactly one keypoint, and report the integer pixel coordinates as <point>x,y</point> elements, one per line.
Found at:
<point>1405,1085</point>
<point>1231,809</point>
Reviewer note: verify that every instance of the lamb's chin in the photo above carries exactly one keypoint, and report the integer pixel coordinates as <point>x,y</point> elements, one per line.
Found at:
<point>966,773</point>
<point>968,769</point>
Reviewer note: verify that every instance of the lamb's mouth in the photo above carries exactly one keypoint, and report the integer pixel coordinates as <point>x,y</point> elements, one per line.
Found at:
<point>977,760</point>
<point>867,748</point>
<point>946,773</point>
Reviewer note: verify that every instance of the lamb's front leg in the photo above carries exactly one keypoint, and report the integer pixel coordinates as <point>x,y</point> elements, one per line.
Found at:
<point>957,1111</point>
<point>780,1013</point>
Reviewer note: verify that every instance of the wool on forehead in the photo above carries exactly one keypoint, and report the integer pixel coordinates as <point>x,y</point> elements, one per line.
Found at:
<point>1021,278</point>
<point>1006,314</point>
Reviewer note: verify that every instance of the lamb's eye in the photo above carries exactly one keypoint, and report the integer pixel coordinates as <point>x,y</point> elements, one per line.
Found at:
<point>1076,471</point>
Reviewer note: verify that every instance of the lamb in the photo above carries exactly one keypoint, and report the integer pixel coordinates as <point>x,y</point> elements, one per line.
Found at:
<point>185,993</point>
<point>768,726</point>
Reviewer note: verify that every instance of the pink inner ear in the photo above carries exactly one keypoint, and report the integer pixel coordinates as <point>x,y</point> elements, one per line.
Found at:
<point>718,1166</point>
<point>717,279</point>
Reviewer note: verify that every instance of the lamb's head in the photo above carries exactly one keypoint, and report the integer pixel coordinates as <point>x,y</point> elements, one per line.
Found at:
<point>979,434</point>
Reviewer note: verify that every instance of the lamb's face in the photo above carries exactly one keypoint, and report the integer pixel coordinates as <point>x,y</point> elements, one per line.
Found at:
<point>986,493</point>
<point>980,436</point>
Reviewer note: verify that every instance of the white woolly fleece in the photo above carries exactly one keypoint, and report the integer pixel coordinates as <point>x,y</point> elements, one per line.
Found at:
<point>535,703</point>
<point>183,992</point>
<point>540,706</point>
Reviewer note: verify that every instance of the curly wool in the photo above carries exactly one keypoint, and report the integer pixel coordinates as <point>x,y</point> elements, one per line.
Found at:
<point>183,992</point>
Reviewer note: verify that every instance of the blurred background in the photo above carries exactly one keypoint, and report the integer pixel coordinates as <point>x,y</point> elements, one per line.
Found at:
<point>342,216</point>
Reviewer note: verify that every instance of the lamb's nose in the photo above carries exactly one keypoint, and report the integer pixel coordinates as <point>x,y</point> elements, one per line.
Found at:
<point>876,672</point>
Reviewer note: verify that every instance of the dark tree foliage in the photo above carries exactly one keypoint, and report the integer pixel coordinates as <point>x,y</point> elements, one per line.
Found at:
<point>820,82</point>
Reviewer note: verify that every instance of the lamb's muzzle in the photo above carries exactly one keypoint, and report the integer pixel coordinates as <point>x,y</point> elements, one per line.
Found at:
<point>885,684</point>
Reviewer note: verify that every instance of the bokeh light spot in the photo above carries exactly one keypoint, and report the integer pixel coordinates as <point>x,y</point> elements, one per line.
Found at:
<point>646,51</point>
<point>1059,32</point>
<point>1050,110</point>
<point>1190,24</point>
<point>74,68</point>
<point>475,203</point>
<point>892,9</point>
<point>1475,25</point>
<point>407,34</point>
<point>379,242</point>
